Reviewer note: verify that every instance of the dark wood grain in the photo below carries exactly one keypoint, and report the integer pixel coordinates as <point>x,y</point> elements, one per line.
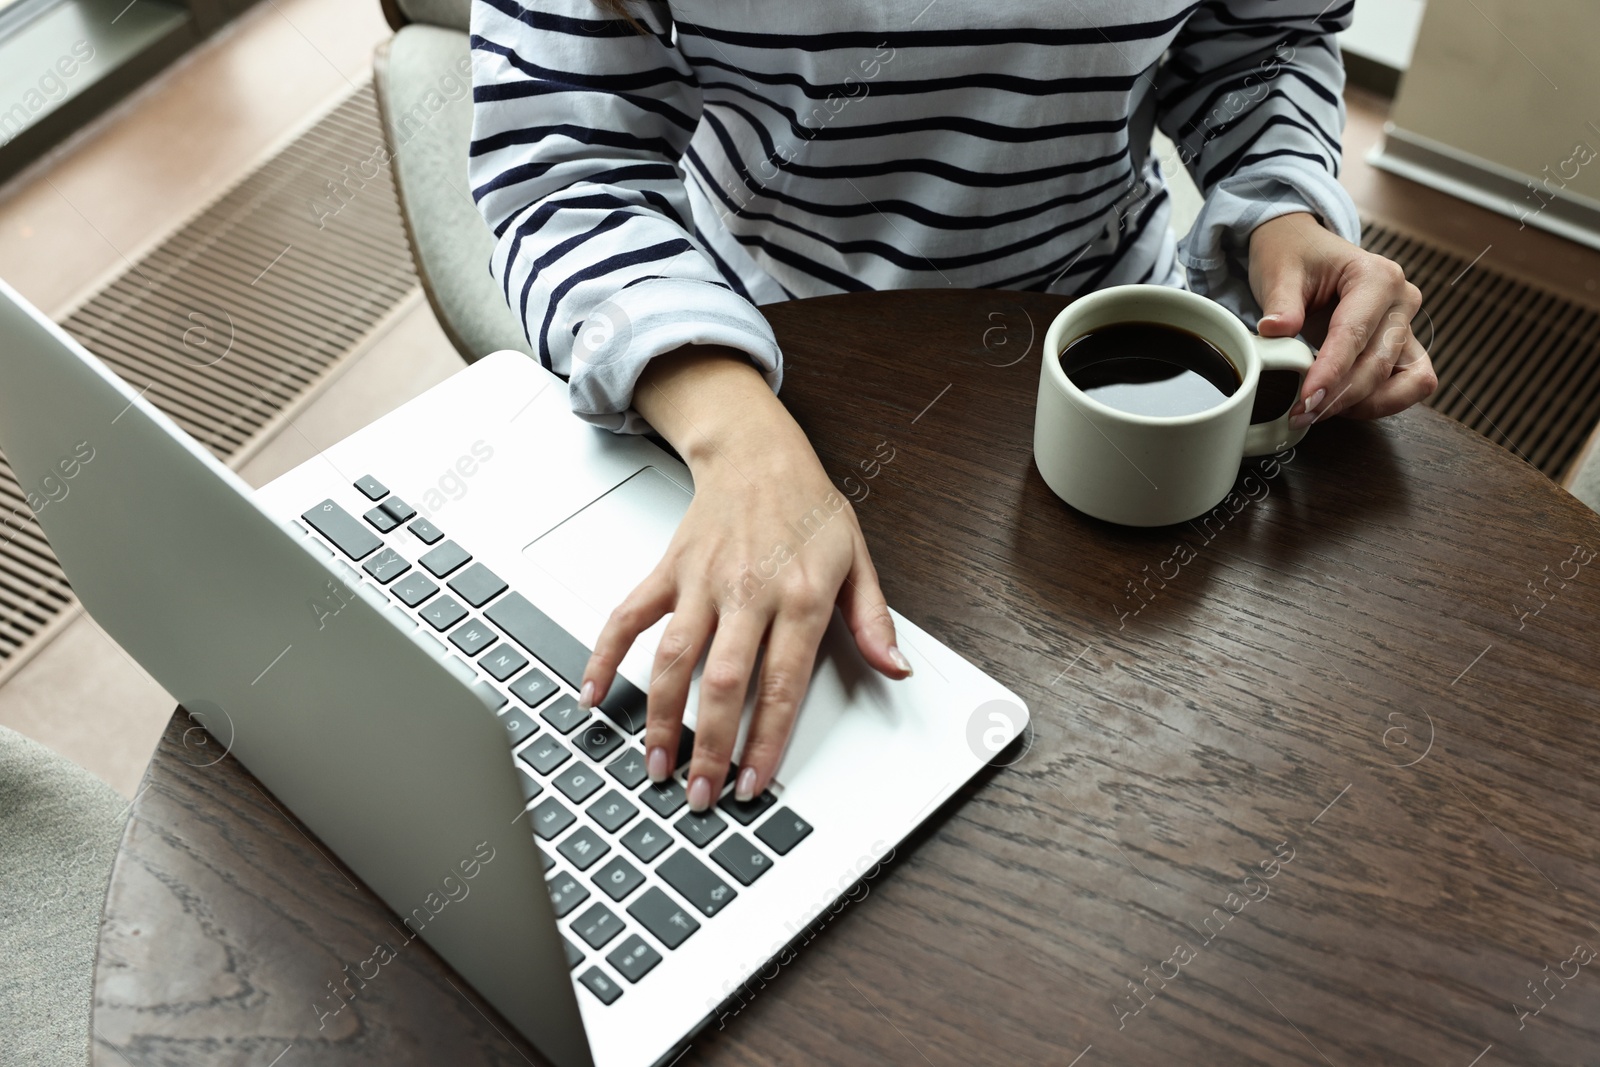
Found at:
<point>1337,673</point>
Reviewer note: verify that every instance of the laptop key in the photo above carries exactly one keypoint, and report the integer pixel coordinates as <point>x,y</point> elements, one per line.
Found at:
<point>574,954</point>
<point>664,798</point>
<point>628,768</point>
<point>597,740</point>
<point>583,847</point>
<point>534,687</point>
<point>618,878</point>
<point>472,636</point>
<point>701,827</point>
<point>519,725</point>
<point>371,488</point>
<point>746,812</point>
<point>398,509</point>
<point>579,782</point>
<point>540,635</point>
<point>426,532</point>
<point>597,925</point>
<point>647,840</point>
<point>550,818</point>
<point>413,589</point>
<point>477,585</point>
<point>492,698</point>
<point>695,883</point>
<point>503,661</point>
<point>381,519</point>
<point>612,811</point>
<point>741,859</point>
<point>444,559</point>
<point>566,893</point>
<point>625,705</point>
<point>341,527</point>
<point>600,985</point>
<point>443,613</point>
<point>545,754</point>
<point>633,959</point>
<point>564,714</point>
<point>386,565</point>
<point>783,831</point>
<point>667,921</point>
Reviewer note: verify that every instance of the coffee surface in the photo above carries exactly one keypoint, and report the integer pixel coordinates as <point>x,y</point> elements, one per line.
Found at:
<point>1147,368</point>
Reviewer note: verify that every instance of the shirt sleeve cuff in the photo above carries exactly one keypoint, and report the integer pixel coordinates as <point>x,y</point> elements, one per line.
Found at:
<point>1215,251</point>
<point>622,334</point>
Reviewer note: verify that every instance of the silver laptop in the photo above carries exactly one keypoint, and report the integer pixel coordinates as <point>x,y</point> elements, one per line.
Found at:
<point>388,637</point>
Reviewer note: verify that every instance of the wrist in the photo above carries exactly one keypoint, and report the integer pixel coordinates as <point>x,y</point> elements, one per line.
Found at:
<point>712,403</point>
<point>1291,225</point>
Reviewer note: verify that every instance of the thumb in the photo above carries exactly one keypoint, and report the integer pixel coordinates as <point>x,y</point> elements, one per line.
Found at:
<point>1283,308</point>
<point>867,615</point>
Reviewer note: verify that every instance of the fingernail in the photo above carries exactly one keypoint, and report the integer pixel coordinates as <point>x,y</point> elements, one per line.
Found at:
<point>1274,317</point>
<point>586,696</point>
<point>656,764</point>
<point>898,658</point>
<point>700,793</point>
<point>1300,422</point>
<point>746,787</point>
<point>1314,399</point>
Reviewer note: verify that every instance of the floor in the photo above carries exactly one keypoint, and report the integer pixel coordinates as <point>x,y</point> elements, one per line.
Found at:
<point>80,216</point>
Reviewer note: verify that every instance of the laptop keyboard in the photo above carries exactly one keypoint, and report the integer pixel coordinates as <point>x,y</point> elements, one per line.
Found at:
<point>619,859</point>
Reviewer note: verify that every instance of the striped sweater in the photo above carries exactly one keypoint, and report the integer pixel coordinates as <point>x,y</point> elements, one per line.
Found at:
<point>647,191</point>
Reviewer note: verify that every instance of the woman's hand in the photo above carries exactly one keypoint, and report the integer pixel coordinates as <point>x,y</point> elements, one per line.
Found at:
<point>766,549</point>
<point>1370,364</point>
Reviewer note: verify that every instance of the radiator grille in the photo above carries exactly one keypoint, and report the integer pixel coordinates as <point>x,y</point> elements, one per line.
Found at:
<point>1517,363</point>
<point>235,317</point>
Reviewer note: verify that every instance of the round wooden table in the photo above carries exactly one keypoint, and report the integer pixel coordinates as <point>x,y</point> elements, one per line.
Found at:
<point>1311,783</point>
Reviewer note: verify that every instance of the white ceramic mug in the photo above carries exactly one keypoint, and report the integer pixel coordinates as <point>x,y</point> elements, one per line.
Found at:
<point>1146,470</point>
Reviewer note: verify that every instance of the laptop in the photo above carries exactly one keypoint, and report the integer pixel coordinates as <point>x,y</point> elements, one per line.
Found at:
<point>389,638</point>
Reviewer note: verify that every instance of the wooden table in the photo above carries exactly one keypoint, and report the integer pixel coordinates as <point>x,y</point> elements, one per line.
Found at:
<point>1318,778</point>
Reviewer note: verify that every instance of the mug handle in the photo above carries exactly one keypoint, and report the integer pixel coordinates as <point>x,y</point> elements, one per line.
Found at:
<point>1279,353</point>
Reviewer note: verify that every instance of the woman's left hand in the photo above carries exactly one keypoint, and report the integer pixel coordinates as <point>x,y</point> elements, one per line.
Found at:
<point>1370,365</point>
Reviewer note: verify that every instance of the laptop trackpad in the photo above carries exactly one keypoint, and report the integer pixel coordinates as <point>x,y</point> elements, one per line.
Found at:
<point>608,548</point>
<point>604,551</point>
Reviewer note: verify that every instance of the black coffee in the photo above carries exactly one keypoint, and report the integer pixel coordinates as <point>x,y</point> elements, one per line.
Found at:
<point>1146,368</point>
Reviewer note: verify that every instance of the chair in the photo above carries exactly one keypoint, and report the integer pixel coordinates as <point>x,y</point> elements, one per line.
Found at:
<point>1583,479</point>
<point>424,88</point>
<point>59,830</point>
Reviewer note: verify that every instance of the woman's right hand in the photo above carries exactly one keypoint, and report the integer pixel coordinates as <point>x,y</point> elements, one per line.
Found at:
<point>765,551</point>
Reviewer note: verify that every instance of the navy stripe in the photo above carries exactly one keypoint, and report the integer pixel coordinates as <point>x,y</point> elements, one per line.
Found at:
<point>1045,36</point>
<point>637,257</point>
<point>633,81</point>
<point>878,86</point>
<point>655,146</point>
<point>931,167</point>
<point>989,131</point>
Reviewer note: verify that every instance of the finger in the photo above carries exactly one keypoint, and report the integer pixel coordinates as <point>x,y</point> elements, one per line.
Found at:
<point>867,615</point>
<point>693,621</point>
<point>1283,309</point>
<point>723,685</point>
<point>650,599</point>
<point>1366,293</point>
<point>785,674</point>
<point>1414,379</point>
<point>1372,368</point>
